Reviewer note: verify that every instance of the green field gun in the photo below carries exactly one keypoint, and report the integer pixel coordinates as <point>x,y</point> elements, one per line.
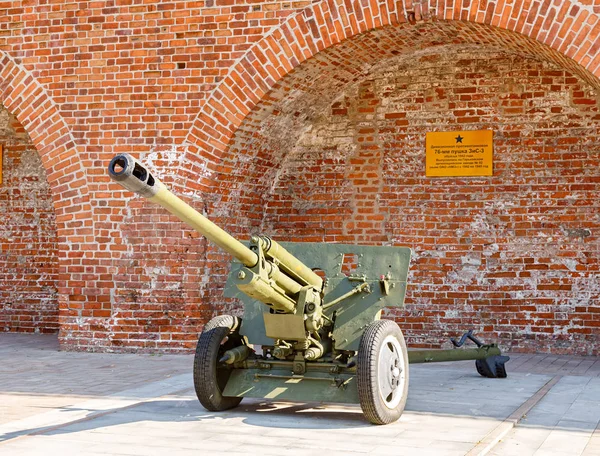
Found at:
<point>311,327</point>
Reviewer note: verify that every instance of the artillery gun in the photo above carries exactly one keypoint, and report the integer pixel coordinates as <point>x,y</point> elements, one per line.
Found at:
<point>311,328</point>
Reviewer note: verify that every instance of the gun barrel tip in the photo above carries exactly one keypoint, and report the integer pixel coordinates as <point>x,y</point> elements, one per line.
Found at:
<point>118,165</point>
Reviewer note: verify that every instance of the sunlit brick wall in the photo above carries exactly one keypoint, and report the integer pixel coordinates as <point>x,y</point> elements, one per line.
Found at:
<point>190,86</point>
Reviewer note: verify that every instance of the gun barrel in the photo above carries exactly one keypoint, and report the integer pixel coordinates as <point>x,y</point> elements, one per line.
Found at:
<point>134,176</point>
<point>290,264</point>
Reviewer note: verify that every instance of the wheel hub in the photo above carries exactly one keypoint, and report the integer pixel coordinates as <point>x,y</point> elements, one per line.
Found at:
<point>392,372</point>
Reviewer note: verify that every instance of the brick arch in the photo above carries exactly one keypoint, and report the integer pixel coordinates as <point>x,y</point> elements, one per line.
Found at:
<point>23,96</point>
<point>335,153</point>
<point>566,34</point>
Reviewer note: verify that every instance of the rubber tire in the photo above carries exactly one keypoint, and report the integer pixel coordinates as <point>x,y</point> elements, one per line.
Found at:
<point>373,407</point>
<point>209,379</point>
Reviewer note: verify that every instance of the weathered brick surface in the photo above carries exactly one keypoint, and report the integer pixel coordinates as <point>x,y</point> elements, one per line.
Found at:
<point>513,256</point>
<point>191,87</point>
<point>29,260</point>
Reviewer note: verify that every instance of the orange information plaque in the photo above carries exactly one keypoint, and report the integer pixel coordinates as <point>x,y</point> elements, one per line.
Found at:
<point>459,153</point>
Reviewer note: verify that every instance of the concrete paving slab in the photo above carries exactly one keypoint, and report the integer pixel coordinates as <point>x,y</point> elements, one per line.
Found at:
<point>563,422</point>
<point>91,408</point>
<point>593,446</point>
<point>456,427</point>
<point>148,407</point>
<point>36,377</point>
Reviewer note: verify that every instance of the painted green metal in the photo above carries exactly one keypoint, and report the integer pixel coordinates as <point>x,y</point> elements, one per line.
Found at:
<point>457,354</point>
<point>282,385</point>
<point>289,263</point>
<point>353,314</point>
<point>134,176</point>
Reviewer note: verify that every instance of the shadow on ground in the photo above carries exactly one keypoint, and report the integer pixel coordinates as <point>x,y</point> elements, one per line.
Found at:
<point>272,414</point>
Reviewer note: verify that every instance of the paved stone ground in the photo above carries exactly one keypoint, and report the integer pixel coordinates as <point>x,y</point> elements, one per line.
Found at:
<point>101,404</point>
<point>36,377</point>
<point>588,366</point>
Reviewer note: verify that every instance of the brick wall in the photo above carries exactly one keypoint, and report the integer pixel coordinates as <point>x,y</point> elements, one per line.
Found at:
<point>513,256</point>
<point>29,260</point>
<point>190,87</point>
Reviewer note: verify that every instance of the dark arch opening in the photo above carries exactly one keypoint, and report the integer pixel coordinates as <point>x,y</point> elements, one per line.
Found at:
<point>28,236</point>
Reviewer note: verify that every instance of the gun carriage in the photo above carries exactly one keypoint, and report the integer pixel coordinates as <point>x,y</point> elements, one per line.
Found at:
<point>310,331</point>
